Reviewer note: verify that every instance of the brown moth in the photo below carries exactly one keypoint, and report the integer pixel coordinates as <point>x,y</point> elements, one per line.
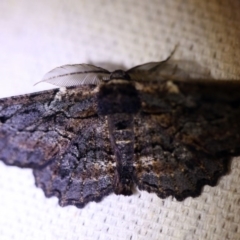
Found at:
<point>163,127</point>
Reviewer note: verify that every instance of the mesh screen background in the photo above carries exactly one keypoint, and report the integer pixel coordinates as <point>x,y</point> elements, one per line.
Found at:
<point>38,36</point>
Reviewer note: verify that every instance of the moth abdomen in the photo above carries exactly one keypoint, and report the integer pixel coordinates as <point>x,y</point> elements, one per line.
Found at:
<point>122,142</point>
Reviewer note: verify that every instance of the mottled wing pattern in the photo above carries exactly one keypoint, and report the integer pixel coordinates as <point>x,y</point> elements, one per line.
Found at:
<point>27,137</point>
<point>85,172</point>
<point>36,127</point>
<point>185,136</point>
<point>59,134</point>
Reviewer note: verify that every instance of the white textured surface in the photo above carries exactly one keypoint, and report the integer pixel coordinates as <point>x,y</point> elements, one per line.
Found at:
<point>36,36</point>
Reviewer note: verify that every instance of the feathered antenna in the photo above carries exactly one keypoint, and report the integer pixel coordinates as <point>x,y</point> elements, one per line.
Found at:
<point>75,75</point>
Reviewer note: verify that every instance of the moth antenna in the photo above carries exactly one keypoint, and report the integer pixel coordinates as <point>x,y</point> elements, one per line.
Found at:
<point>172,53</point>
<point>75,75</point>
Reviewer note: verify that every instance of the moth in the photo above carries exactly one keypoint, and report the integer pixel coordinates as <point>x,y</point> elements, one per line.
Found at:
<point>159,126</point>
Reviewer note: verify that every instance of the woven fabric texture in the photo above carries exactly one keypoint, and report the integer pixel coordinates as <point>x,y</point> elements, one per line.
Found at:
<point>37,36</point>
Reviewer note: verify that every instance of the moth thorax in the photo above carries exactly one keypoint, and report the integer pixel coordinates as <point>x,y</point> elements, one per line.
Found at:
<point>118,96</point>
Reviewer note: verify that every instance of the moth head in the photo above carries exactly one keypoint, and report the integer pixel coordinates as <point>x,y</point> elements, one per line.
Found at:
<point>119,74</point>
